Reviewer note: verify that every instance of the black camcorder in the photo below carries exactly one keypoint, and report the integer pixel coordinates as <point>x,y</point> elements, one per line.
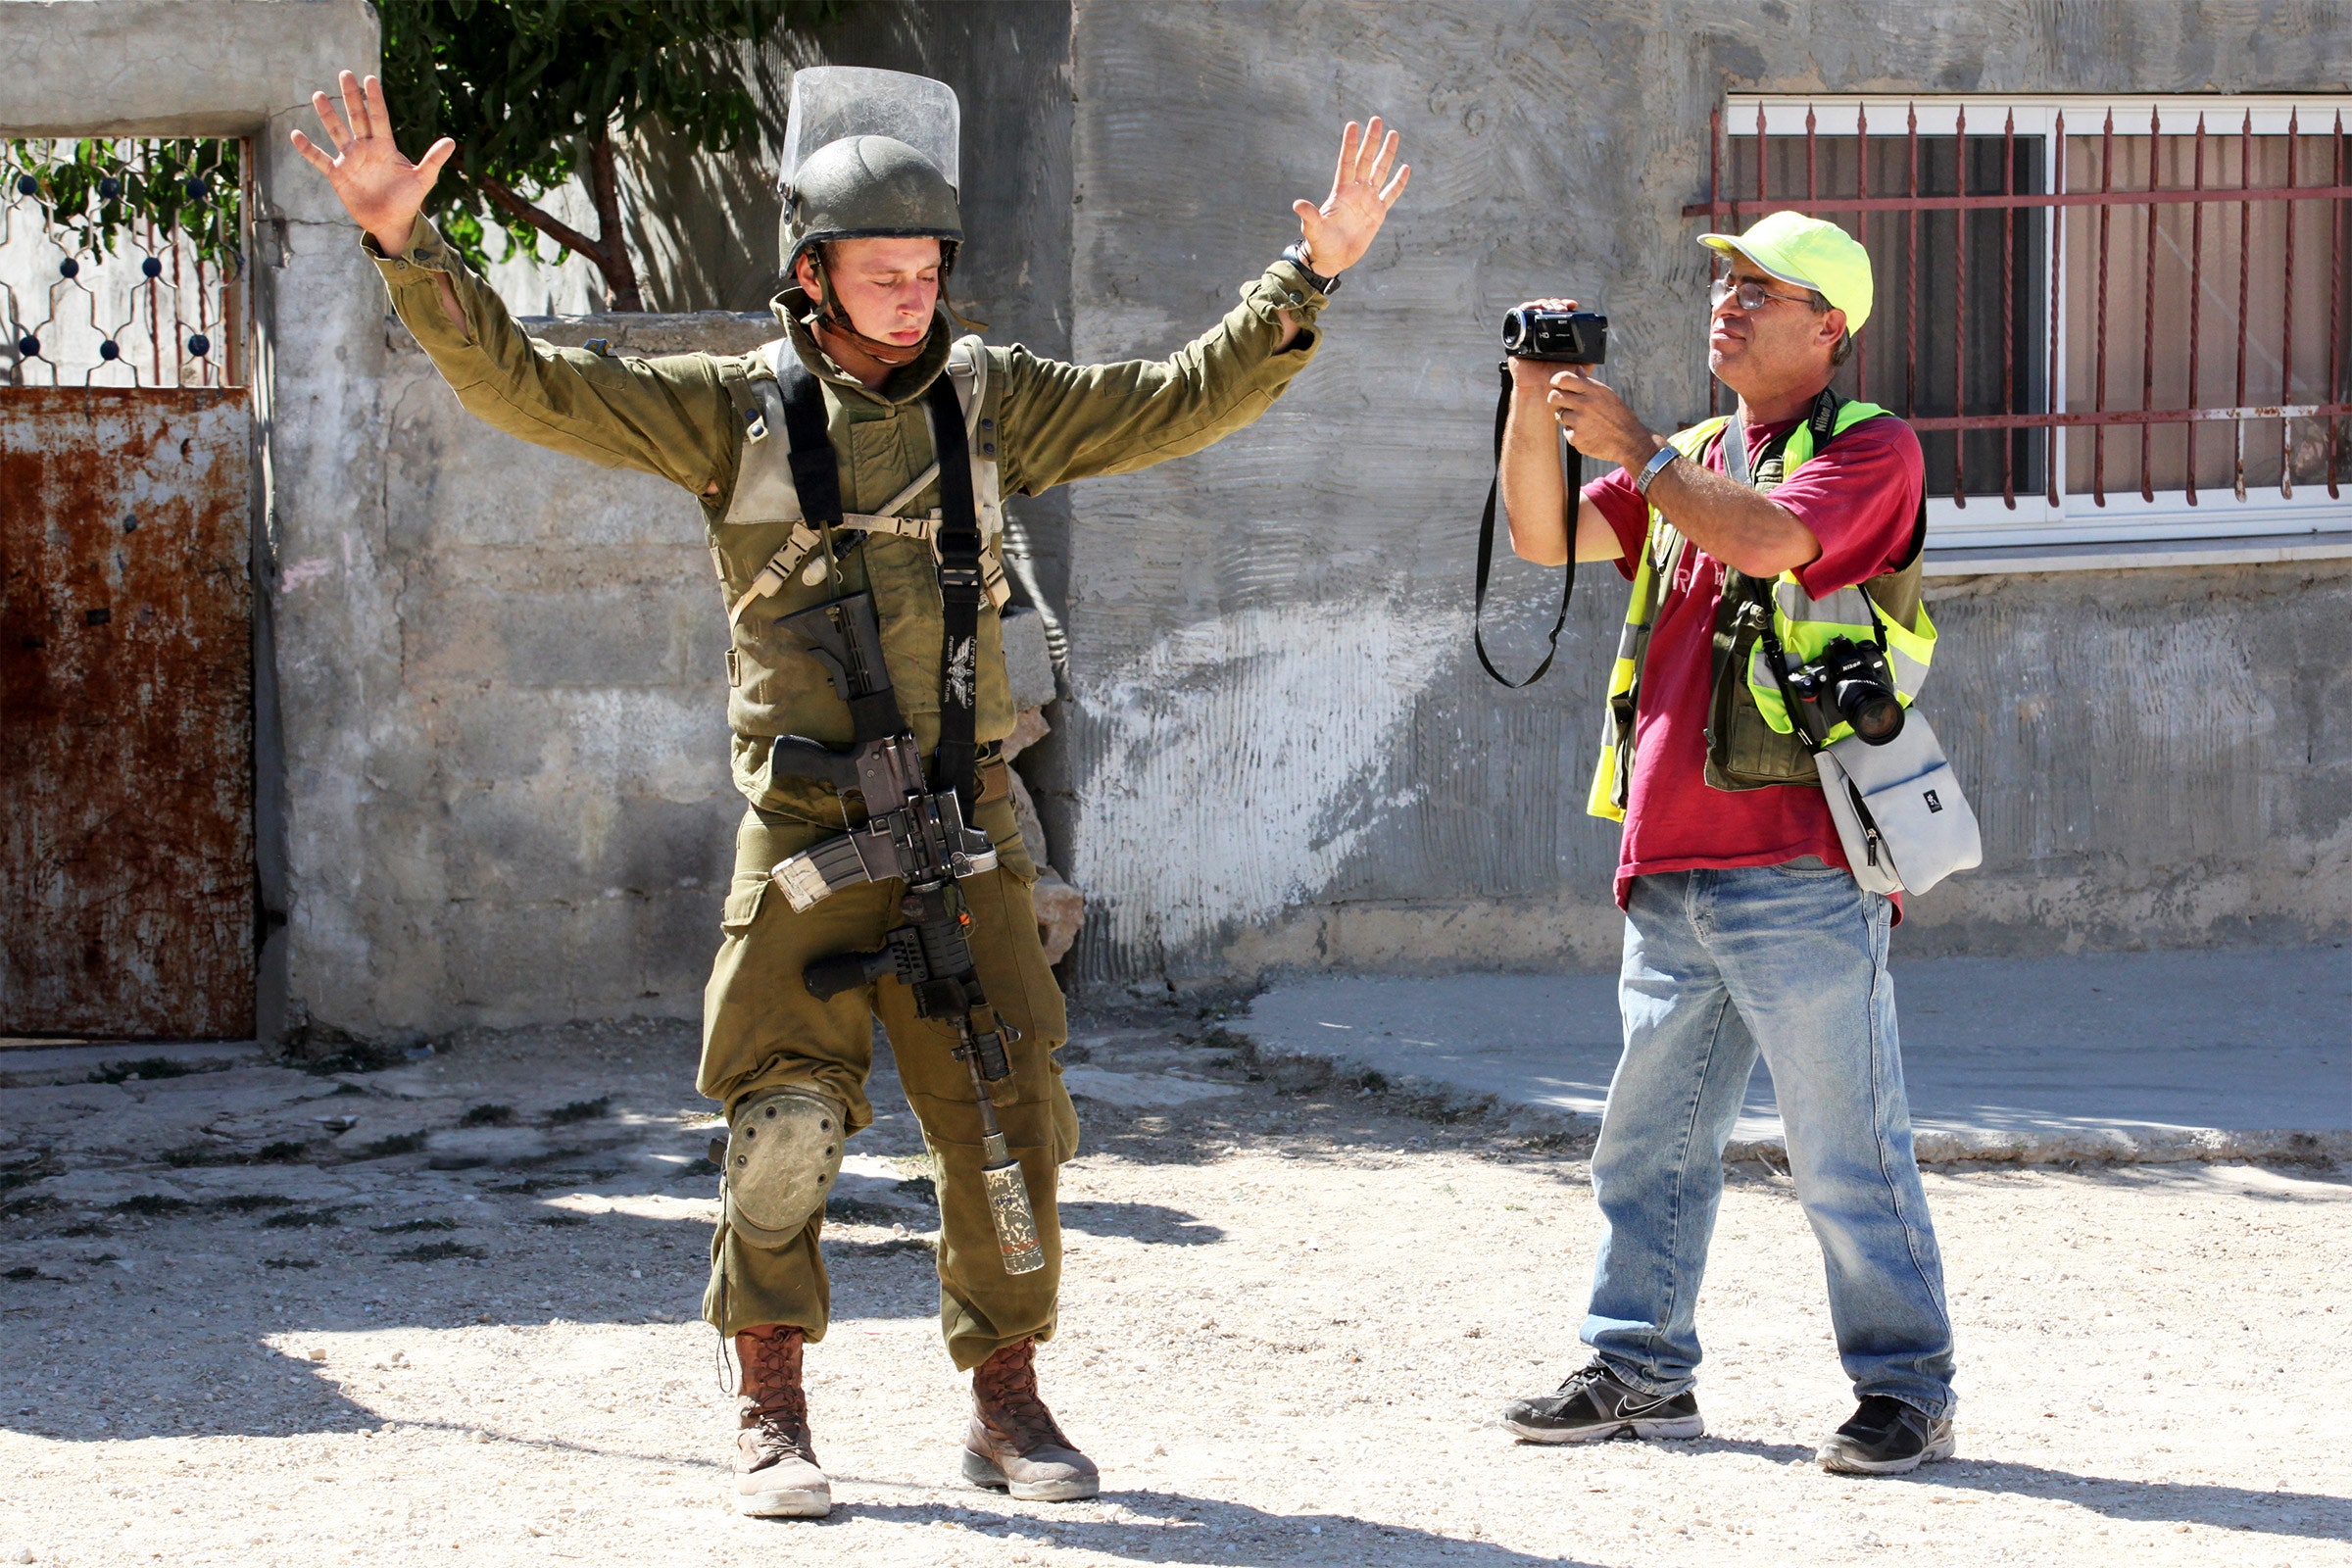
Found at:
<point>1566,337</point>
<point>1855,679</point>
<point>1558,337</point>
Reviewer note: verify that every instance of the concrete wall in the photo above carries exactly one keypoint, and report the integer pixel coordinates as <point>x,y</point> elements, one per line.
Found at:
<point>492,746</point>
<point>1282,754</point>
<point>514,804</point>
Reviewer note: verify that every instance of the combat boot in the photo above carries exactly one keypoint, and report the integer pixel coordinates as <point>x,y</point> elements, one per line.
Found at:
<point>1014,1445</point>
<point>775,1469</point>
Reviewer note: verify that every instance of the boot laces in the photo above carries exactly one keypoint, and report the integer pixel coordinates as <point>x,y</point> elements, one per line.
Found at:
<point>1009,1401</point>
<point>1582,1377</point>
<point>771,1398</point>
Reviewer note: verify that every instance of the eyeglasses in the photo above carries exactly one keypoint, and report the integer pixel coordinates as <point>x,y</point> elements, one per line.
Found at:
<point>1752,296</point>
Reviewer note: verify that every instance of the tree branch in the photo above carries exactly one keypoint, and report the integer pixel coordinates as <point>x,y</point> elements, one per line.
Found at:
<point>562,234</point>
<point>620,273</point>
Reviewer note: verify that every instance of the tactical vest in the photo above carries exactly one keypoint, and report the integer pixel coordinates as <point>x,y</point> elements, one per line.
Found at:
<point>1752,738</point>
<point>771,562</point>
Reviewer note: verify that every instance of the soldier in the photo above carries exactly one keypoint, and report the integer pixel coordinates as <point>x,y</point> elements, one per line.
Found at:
<point>870,234</point>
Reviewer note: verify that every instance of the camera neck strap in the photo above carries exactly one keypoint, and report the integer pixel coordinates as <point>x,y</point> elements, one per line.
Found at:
<point>1823,418</point>
<point>1574,473</point>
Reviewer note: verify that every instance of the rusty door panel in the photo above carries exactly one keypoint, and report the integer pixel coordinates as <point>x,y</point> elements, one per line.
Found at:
<point>126,878</point>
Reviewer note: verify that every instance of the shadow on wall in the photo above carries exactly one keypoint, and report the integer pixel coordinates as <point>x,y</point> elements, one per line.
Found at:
<point>706,226</point>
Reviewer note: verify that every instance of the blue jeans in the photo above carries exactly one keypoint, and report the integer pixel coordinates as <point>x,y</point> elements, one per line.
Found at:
<point>1718,965</point>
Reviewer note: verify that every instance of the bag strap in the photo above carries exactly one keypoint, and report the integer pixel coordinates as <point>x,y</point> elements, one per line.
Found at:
<point>960,591</point>
<point>1574,476</point>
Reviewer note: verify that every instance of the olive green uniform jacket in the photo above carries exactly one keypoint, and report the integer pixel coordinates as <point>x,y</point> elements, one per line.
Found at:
<point>682,417</point>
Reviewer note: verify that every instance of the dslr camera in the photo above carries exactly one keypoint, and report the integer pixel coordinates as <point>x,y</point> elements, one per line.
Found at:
<point>1565,337</point>
<point>1854,679</point>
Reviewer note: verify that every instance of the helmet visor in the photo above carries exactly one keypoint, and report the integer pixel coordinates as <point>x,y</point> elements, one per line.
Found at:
<point>831,102</point>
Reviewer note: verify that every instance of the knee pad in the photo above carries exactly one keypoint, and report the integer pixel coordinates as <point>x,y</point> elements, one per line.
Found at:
<point>783,1154</point>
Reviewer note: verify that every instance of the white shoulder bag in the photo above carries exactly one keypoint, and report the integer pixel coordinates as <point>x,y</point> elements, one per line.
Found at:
<point>1898,808</point>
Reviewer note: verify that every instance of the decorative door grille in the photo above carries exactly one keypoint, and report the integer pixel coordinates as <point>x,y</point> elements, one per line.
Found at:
<point>121,263</point>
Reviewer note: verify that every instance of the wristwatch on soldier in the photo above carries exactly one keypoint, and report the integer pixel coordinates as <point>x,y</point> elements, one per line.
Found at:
<point>1295,254</point>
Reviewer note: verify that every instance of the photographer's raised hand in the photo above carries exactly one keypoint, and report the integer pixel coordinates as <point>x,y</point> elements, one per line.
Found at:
<point>1535,497</point>
<point>1727,519</point>
<point>1597,420</point>
<point>1339,230</point>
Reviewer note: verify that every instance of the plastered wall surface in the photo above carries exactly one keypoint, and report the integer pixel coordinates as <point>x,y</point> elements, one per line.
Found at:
<point>543,811</point>
<point>516,807</point>
<point>1271,640</point>
<point>491,739</point>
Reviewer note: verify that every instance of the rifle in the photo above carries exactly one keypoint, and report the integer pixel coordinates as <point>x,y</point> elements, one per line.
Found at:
<point>914,835</point>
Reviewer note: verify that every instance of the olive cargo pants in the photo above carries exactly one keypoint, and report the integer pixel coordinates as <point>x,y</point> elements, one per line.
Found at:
<point>762,1030</point>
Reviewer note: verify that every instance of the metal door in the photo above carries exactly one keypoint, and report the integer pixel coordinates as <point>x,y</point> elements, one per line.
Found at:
<point>127,871</point>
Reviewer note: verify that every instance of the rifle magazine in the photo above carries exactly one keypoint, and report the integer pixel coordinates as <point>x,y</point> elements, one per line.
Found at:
<point>809,878</point>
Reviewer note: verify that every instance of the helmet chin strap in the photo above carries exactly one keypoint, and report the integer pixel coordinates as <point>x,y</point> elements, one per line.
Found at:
<point>837,321</point>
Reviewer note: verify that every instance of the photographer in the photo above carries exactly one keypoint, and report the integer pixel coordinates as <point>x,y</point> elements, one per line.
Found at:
<point>1746,930</point>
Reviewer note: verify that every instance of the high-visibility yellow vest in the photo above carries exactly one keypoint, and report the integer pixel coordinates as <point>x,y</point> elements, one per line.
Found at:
<point>1751,739</point>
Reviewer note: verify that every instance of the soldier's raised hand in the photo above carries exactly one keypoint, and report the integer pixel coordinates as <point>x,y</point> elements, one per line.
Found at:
<point>1342,229</point>
<point>376,183</point>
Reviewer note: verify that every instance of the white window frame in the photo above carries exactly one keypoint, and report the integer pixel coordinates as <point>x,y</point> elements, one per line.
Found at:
<point>1985,525</point>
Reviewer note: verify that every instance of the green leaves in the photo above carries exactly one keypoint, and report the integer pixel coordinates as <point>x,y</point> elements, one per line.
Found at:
<point>98,190</point>
<point>532,91</point>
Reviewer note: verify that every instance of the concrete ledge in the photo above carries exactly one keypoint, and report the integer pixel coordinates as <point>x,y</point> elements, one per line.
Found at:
<point>2126,1059</point>
<point>2121,554</point>
<point>172,67</point>
<point>24,1064</point>
<point>2120,1144</point>
<point>643,333</point>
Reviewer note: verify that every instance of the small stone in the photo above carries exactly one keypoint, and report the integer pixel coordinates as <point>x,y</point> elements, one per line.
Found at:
<point>317,1353</point>
<point>480,1437</point>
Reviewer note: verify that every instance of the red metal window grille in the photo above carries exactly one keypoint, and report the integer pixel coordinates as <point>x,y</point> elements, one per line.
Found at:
<point>2070,295</point>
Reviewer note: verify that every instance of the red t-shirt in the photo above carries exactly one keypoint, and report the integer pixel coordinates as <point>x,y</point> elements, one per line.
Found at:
<point>1860,495</point>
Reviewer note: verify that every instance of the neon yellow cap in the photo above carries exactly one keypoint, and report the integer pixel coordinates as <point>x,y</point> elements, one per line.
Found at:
<point>1810,253</point>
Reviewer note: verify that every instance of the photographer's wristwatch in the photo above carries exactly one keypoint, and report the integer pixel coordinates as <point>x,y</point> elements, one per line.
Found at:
<point>1295,253</point>
<point>1656,465</point>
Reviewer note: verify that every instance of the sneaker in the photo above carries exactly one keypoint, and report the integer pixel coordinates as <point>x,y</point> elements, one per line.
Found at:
<point>1887,1438</point>
<point>1592,1405</point>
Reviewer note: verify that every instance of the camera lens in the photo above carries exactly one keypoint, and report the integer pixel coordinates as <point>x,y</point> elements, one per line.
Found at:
<point>1873,711</point>
<point>1514,329</point>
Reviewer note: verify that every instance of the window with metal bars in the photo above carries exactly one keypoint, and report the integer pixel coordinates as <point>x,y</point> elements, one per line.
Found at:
<point>2107,318</point>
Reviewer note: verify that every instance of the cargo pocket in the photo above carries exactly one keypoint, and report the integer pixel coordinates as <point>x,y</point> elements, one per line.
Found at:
<point>741,907</point>
<point>1039,1120</point>
<point>1004,830</point>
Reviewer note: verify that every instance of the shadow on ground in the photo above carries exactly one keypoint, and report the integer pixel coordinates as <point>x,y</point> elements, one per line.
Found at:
<point>1165,1524</point>
<point>2313,1516</point>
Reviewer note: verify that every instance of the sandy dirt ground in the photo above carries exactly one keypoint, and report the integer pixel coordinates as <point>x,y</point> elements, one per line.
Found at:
<point>447,1312</point>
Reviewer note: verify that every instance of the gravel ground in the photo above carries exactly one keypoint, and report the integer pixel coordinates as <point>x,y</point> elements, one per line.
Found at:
<point>1292,1309</point>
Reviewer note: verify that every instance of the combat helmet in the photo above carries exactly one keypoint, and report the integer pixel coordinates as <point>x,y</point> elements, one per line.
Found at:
<point>869,154</point>
<point>863,187</point>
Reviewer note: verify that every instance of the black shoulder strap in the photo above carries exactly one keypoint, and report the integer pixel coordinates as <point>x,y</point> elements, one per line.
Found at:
<point>959,591</point>
<point>815,474</point>
<point>1485,548</point>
